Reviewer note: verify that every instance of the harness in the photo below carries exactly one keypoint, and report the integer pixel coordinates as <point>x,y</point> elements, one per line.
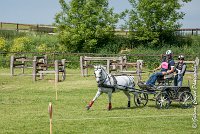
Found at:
<point>114,86</point>
<point>112,82</point>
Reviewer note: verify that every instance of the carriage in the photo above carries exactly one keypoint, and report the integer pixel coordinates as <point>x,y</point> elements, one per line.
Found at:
<point>164,93</point>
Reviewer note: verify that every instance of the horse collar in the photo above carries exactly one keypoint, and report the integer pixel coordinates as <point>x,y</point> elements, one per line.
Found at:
<point>109,86</point>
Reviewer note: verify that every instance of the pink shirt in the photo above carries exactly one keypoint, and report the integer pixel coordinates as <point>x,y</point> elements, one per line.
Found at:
<point>164,65</point>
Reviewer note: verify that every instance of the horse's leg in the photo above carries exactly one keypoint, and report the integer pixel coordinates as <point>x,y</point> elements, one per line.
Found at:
<point>129,98</point>
<point>109,100</point>
<point>92,101</point>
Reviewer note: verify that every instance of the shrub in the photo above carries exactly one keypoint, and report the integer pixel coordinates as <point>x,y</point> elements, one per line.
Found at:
<point>2,44</point>
<point>21,44</point>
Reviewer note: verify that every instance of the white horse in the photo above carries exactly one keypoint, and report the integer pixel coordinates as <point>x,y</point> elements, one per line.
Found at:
<point>109,84</point>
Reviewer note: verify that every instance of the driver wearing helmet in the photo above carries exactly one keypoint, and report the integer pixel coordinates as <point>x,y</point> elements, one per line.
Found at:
<point>180,71</point>
<point>171,63</point>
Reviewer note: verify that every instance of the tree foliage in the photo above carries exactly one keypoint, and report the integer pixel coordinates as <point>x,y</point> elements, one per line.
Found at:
<point>154,21</point>
<point>85,25</point>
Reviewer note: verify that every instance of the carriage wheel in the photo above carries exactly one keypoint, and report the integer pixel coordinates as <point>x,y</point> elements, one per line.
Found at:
<point>186,99</point>
<point>163,100</point>
<point>140,99</point>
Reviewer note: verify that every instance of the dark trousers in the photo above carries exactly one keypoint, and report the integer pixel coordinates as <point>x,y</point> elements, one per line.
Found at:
<point>152,79</point>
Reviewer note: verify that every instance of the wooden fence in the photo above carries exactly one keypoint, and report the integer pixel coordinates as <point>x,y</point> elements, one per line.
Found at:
<point>27,27</point>
<point>118,65</point>
<point>51,29</point>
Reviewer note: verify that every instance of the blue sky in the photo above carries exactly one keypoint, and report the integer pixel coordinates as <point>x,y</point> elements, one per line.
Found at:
<point>43,11</point>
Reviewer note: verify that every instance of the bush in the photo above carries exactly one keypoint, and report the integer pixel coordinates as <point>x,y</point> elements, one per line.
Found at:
<point>21,44</point>
<point>2,44</point>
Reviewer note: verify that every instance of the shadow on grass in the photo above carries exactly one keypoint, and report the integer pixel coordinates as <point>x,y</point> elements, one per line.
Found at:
<point>172,106</point>
<point>126,108</point>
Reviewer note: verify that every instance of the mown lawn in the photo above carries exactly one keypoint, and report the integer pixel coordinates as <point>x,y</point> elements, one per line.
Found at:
<point>24,109</point>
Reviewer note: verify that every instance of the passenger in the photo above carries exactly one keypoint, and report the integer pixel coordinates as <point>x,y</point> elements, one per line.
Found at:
<point>164,67</point>
<point>180,71</point>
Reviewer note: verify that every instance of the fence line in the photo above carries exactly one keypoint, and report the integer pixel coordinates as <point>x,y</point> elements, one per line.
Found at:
<point>27,27</point>
<point>51,29</point>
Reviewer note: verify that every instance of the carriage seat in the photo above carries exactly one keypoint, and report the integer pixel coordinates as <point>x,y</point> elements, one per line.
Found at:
<point>165,80</point>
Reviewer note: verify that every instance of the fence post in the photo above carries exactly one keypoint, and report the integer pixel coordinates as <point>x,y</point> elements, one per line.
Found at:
<point>139,69</point>
<point>12,58</point>
<point>121,63</point>
<point>23,62</point>
<point>45,61</point>
<point>17,27</point>
<point>34,68</point>
<point>56,71</point>
<point>81,65</point>
<point>108,66</point>
<point>124,63</point>
<point>85,68</point>
<point>63,69</point>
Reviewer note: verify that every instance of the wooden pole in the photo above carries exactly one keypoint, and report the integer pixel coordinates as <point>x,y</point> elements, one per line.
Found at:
<point>56,71</point>
<point>34,68</point>
<point>63,69</point>
<point>12,65</point>
<point>85,69</point>
<point>121,62</point>
<point>17,28</point>
<point>50,109</point>
<point>56,88</point>
<point>108,66</point>
<point>45,61</point>
<point>124,61</point>
<point>81,65</point>
<point>23,66</point>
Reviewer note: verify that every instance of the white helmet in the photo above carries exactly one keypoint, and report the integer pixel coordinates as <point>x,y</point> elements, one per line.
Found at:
<point>168,52</point>
<point>181,57</point>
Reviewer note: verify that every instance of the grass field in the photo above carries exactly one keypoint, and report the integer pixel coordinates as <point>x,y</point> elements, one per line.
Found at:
<point>24,109</point>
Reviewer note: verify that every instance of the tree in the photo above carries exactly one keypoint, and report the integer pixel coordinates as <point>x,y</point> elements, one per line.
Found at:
<point>154,21</point>
<point>85,25</point>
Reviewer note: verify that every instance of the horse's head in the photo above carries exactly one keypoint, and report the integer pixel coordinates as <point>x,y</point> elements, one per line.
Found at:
<point>100,74</point>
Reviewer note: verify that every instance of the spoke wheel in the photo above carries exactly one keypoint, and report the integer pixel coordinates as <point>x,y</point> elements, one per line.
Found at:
<point>162,100</point>
<point>186,99</point>
<point>140,99</point>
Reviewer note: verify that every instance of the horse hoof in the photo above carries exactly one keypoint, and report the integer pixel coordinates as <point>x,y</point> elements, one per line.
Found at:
<point>109,108</point>
<point>88,107</point>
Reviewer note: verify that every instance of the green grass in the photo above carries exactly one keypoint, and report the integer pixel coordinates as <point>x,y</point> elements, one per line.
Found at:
<point>24,109</point>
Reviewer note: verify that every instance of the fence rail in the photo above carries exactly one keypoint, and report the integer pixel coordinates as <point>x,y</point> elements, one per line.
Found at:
<point>73,59</point>
<point>51,29</point>
<point>27,27</point>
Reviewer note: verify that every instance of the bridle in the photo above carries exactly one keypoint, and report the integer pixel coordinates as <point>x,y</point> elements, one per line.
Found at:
<point>101,81</point>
